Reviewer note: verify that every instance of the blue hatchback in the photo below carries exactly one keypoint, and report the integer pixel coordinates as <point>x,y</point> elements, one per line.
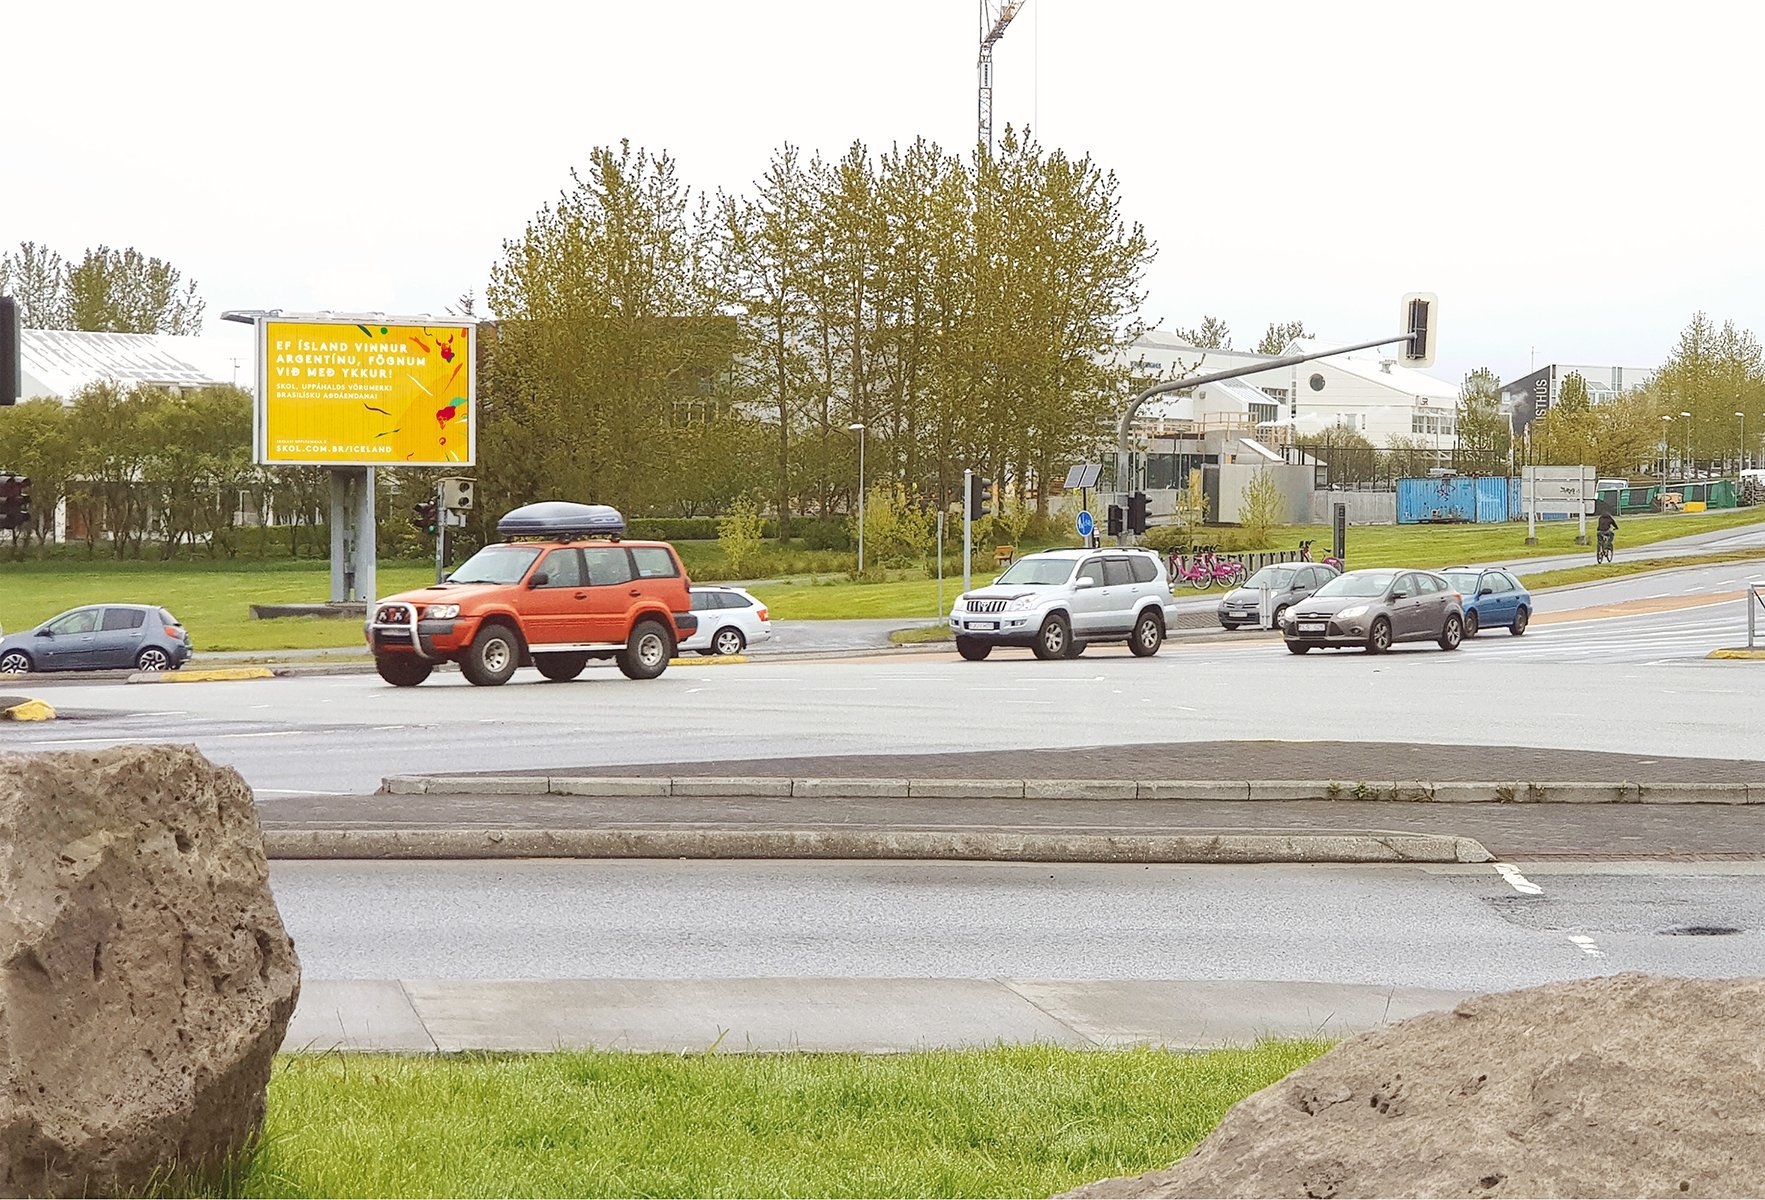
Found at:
<point>1493,599</point>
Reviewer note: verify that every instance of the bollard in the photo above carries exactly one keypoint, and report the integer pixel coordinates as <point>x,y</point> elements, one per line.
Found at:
<point>1265,607</point>
<point>1755,601</point>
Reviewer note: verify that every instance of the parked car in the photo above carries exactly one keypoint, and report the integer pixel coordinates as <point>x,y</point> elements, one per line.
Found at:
<point>1288,583</point>
<point>1376,609</point>
<point>554,602</point>
<point>99,637</point>
<point>1057,602</point>
<point>1492,599</point>
<point>730,620</point>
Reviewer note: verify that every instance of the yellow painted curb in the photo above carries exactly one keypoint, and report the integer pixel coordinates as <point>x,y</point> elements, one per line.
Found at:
<point>1752,654</point>
<point>30,710</point>
<point>728,660</point>
<point>216,675</point>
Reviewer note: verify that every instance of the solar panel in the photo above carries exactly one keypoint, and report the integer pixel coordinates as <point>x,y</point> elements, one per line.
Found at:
<point>1083,476</point>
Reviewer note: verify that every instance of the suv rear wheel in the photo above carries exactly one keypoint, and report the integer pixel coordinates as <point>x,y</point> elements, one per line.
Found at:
<point>492,657</point>
<point>560,668</point>
<point>402,670</point>
<point>647,652</point>
<point>1052,638</point>
<point>1147,637</point>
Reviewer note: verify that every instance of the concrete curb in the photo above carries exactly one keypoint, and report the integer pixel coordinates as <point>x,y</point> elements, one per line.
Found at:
<point>214,675</point>
<point>1393,791</point>
<point>26,710</point>
<point>1754,655</point>
<point>1224,847</point>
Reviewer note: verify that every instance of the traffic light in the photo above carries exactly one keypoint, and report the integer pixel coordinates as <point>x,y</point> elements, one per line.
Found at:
<point>1420,318</point>
<point>980,497</point>
<point>15,501</point>
<point>1113,523</point>
<point>12,383</point>
<point>1137,513</point>
<point>423,518</point>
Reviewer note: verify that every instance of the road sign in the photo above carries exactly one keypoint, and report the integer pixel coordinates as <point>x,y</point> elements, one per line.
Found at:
<point>1087,523</point>
<point>1569,490</point>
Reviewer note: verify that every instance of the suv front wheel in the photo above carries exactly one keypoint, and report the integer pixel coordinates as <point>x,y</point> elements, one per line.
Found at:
<point>492,657</point>
<point>973,649</point>
<point>1052,639</point>
<point>647,652</point>
<point>1148,635</point>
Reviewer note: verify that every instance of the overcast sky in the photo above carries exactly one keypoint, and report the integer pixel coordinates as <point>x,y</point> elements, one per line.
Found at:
<point>1573,179</point>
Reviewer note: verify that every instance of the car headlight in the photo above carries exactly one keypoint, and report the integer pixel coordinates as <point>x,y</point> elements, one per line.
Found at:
<point>441,612</point>
<point>1021,604</point>
<point>1350,614</point>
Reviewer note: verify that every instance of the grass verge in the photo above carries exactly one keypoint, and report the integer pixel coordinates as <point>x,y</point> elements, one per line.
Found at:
<point>1594,572</point>
<point>1007,1121</point>
<point>921,634</point>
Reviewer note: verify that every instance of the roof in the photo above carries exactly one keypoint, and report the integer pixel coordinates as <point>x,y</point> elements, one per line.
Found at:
<point>1226,394</point>
<point>1368,365</point>
<point>59,362</point>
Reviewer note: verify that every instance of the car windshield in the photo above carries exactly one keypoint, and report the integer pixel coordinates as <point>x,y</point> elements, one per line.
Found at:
<point>1277,579</point>
<point>496,564</point>
<point>1038,572</point>
<point>1358,583</point>
<point>1465,582</point>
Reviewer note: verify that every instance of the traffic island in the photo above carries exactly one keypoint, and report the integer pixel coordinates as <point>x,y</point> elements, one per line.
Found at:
<point>24,708</point>
<point>212,675</point>
<point>1756,655</point>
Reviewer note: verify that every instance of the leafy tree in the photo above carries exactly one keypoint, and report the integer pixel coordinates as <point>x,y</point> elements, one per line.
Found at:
<point>1346,452</point>
<point>1409,457</point>
<point>36,277</point>
<point>1211,334</point>
<point>107,291</point>
<point>740,535</point>
<point>1483,433</point>
<point>1280,335</point>
<point>1261,507</point>
<point>1572,394</point>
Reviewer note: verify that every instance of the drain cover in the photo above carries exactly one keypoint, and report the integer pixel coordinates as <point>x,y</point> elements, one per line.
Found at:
<point>1700,931</point>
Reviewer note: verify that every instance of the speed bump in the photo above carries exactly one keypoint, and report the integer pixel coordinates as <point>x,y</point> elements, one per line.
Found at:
<point>27,710</point>
<point>216,675</point>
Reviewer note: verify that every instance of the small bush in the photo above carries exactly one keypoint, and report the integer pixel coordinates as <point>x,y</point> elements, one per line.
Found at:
<point>740,536</point>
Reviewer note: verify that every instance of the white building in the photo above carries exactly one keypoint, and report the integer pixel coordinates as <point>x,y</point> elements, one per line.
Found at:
<point>1544,386</point>
<point>59,362</point>
<point>1365,389</point>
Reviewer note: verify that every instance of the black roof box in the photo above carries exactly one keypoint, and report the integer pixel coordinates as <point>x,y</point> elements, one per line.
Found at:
<point>562,521</point>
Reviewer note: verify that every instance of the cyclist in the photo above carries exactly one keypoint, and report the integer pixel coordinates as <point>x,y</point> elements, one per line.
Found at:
<point>1608,536</point>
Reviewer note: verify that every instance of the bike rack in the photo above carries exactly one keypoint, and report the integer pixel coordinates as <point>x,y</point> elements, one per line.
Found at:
<point>1755,604</point>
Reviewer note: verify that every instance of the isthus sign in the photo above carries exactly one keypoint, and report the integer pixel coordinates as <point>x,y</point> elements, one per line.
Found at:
<point>341,392</point>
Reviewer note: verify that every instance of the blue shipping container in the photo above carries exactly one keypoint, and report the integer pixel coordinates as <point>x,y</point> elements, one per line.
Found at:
<point>1484,500</point>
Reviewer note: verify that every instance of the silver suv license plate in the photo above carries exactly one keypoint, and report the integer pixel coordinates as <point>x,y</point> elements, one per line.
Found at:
<point>983,624</point>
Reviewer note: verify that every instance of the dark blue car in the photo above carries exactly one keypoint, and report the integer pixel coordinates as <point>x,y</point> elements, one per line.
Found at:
<point>99,636</point>
<point>1493,599</point>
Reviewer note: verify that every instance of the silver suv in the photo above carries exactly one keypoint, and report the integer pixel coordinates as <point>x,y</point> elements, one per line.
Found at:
<point>1059,601</point>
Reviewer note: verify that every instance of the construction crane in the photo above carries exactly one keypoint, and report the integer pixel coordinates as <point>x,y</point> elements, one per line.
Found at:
<point>992,29</point>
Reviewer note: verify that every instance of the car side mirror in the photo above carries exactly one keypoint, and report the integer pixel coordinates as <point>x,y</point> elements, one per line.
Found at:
<point>46,633</point>
<point>539,580</point>
<point>1398,596</point>
<point>1488,591</point>
<point>1084,581</point>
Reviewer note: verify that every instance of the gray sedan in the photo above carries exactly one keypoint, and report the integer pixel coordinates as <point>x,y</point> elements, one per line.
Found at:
<point>99,636</point>
<point>1288,584</point>
<point>1376,609</point>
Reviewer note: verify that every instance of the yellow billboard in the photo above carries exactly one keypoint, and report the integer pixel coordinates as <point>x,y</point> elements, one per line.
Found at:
<point>341,392</point>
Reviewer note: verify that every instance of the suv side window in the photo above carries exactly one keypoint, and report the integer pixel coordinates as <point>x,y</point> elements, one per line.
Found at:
<point>562,569</point>
<point>1092,570</point>
<point>123,618</point>
<point>607,565</point>
<point>1145,570</point>
<point>653,562</point>
<point>1117,571</point>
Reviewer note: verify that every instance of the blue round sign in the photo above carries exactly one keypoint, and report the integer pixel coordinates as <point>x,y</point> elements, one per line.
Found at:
<point>1087,523</point>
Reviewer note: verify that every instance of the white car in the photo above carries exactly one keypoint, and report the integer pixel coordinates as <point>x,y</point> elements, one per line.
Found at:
<point>730,620</point>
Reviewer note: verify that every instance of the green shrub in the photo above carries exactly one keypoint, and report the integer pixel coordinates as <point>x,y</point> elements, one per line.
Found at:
<point>740,536</point>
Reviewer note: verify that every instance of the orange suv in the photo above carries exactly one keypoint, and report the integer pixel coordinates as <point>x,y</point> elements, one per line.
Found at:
<point>553,602</point>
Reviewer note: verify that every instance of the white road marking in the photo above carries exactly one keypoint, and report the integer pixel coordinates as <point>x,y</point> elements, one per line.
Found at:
<point>264,734</point>
<point>1587,945</point>
<point>1518,881</point>
<point>297,792</point>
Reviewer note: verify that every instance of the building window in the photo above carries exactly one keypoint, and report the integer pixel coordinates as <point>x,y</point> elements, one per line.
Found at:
<point>1317,383</point>
<point>1279,394</point>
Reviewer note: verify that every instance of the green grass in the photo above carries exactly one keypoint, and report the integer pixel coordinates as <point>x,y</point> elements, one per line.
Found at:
<point>1008,1121</point>
<point>921,634</point>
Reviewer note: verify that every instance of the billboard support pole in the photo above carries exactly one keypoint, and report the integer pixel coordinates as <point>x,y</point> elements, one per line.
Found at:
<point>339,535</point>
<point>366,551</point>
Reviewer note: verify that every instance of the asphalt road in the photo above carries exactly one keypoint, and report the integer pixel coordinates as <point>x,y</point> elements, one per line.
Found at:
<point>1635,682</point>
<point>1466,928</point>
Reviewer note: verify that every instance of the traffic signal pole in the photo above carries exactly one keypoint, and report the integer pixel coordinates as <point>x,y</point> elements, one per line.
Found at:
<point>1124,485</point>
<point>440,537</point>
<point>967,526</point>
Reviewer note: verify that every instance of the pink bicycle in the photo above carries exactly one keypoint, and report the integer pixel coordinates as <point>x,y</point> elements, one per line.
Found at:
<point>1205,568</point>
<point>1329,560</point>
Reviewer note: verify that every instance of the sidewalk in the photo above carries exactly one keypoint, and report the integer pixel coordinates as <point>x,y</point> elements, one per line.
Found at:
<point>827,1015</point>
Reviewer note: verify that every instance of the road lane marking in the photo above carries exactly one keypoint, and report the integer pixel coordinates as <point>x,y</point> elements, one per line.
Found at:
<point>1518,881</point>
<point>263,791</point>
<point>1587,945</point>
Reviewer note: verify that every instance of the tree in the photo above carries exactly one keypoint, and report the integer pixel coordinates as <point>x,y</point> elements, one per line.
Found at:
<point>1713,373</point>
<point>1483,434</point>
<point>1572,394</point>
<point>1261,507</point>
<point>107,291</point>
<point>1280,335</point>
<point>1211,334</point>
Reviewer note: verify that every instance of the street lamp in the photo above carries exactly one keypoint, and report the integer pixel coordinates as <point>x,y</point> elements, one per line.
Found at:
<point>1666,446</point>
<point>1687,417</point>
<point>857,427</point>
<point>1743,439</point>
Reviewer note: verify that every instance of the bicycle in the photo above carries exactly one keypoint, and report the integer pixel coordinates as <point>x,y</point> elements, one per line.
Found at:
<point>1205,569</point>
<point>1329,560</point>
<point>1603,553</point>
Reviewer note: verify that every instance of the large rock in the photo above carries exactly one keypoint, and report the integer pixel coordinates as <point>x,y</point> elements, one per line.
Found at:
<point>1632,1085</point>
<point>145,977</point>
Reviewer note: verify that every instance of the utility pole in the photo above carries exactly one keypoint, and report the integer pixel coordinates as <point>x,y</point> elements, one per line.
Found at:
<point>989,35</point>
<point>967,527</point>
